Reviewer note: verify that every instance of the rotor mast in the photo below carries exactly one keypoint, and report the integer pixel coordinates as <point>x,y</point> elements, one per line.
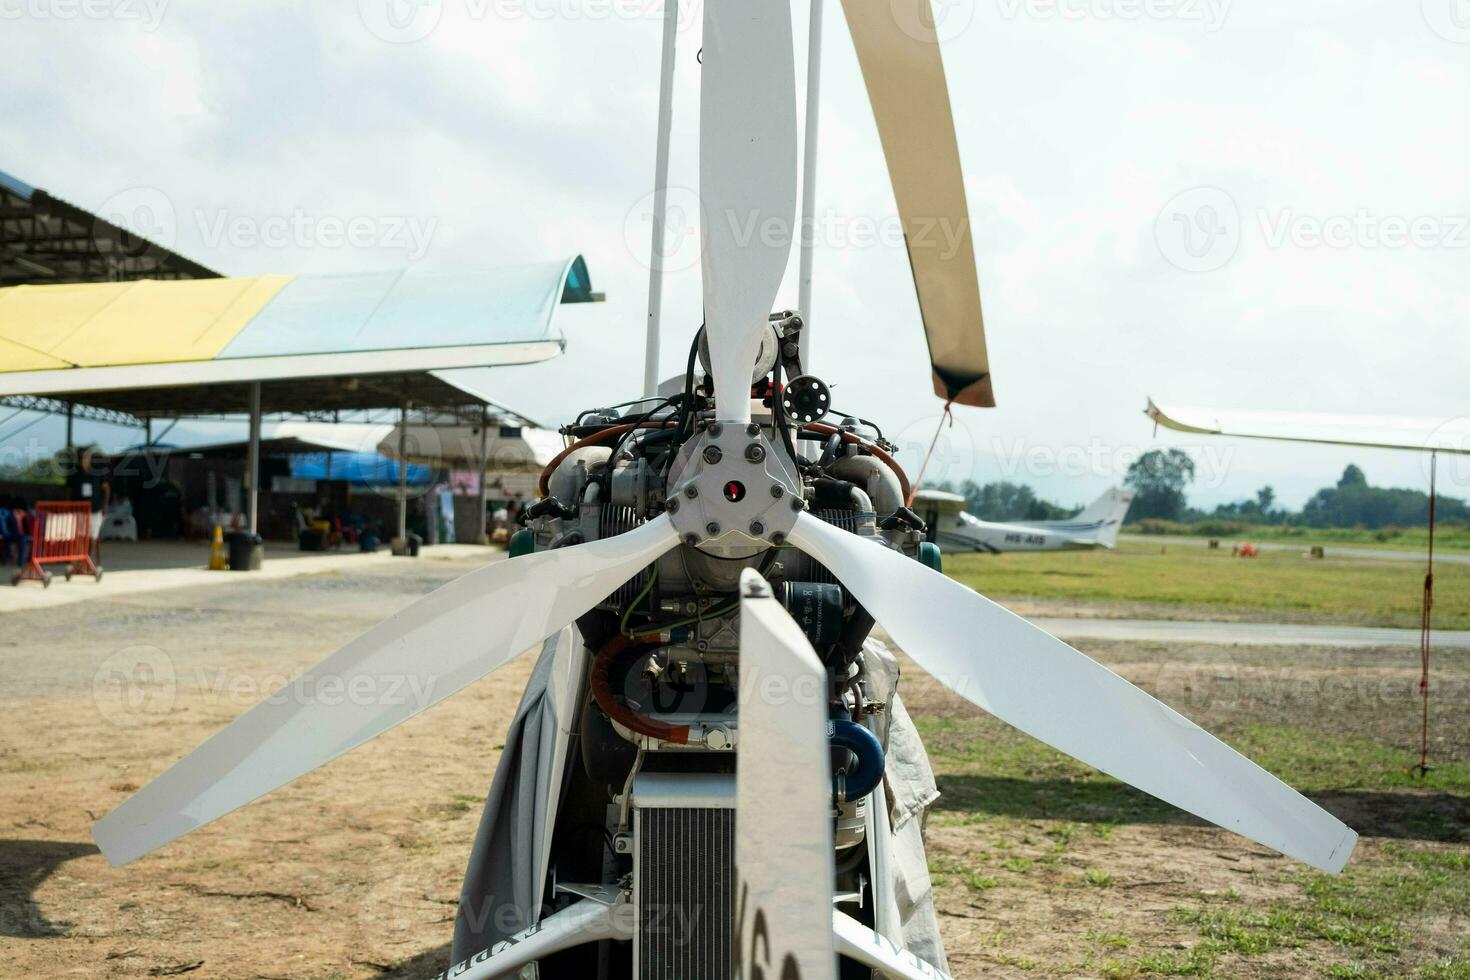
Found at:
<point>660,198</point>
<point>809,178</point>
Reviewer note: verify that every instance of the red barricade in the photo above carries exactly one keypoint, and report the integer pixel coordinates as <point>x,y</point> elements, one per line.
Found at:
<point>61,534</point>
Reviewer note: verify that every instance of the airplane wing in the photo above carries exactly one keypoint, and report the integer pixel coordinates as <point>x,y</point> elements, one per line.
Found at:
<point>1450,435</point>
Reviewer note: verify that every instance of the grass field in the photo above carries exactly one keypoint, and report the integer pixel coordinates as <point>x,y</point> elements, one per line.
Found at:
<point>1448,538</point>
<point>1185,581</point>
<point>1022,827</point>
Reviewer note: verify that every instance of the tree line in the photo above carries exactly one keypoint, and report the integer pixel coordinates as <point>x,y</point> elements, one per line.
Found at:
<point>1160,481</point>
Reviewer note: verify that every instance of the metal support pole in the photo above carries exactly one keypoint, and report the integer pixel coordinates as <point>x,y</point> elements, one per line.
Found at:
<point>252,460</point>
<point>809,179</point>
<point>147,432</point>
<point>403,474</point>
<point>481,526</point>
<point>660,197</point>
<point>69,408</point>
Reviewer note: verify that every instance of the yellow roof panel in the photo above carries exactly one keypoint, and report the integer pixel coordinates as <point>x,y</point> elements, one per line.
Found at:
<point>144,322</point>
<point>18,357</point>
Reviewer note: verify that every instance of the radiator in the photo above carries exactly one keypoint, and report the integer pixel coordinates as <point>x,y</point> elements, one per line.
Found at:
<point>684,876</point>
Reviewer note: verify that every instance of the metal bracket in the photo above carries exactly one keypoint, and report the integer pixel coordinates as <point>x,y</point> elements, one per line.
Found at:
<point>734,490</point>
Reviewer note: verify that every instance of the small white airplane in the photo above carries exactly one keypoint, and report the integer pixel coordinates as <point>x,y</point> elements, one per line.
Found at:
<point>953,529</point>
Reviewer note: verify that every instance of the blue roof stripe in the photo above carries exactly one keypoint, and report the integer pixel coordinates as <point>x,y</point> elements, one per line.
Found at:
<point>16,186</point>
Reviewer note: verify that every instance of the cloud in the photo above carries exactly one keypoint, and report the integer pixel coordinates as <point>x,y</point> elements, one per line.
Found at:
<point>524,130</point>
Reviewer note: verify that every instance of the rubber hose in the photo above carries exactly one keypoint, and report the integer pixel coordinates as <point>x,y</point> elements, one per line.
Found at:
<point>862,743</point>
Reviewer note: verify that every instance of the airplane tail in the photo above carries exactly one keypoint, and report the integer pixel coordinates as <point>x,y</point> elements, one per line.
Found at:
<point>1099,522</point>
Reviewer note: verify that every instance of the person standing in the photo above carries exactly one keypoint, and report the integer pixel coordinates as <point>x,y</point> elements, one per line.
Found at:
<point>88,479</point>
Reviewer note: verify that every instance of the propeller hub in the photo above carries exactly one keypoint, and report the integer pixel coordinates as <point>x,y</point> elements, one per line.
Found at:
<point>731,490</point>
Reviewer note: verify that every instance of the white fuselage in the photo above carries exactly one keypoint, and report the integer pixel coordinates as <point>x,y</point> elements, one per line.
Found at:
<point>965,532</point>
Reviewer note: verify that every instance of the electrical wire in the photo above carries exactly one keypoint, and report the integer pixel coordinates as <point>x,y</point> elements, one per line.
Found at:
<point>686,410</point>
<point>623,622</point>
<point>633,426</point>
<point>858,418</point>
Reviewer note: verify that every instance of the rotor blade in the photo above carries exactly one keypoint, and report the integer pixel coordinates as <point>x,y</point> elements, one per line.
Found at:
<point>747,183</point>
<point>414,659</point>
<point>898,49</point>
<point>856,941</point>
<point>1030,679</point>
<point>783,766</point>
<point>587,921</point>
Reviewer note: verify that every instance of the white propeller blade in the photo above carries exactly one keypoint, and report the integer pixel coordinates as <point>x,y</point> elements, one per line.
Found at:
<point>414,659</point>
<point>784,879</point>
<point>747,183</point>
<point>856,941</point>
<point>587,921</point>
<point>1032,680</point>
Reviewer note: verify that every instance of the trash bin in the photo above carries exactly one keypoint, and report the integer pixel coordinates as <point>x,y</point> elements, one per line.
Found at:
<point>414,544</point>
<point>247,551</point>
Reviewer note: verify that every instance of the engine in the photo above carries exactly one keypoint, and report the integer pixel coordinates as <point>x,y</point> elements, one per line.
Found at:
<point>660,729</point>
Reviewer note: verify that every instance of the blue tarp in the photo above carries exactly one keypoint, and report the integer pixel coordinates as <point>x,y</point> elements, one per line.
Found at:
<point>360,469</point>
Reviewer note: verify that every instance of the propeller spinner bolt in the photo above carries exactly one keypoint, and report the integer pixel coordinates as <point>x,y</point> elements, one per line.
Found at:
<point>712,454</point>
<point>691,491</point>
<point>755,452</point>
<point>713,528</point>
<point>778,538</point>
<point>691,540</point>
<point>757,528</point>
<point>777,490</point>
<point>672,505</point>
<point>798,504</point>
<point>753,429</point>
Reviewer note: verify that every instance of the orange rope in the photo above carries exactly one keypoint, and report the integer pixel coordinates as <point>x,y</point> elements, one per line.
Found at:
<point>919,480</point>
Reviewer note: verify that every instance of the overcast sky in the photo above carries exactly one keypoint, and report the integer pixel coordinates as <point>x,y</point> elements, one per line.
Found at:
<point>1231,204</point>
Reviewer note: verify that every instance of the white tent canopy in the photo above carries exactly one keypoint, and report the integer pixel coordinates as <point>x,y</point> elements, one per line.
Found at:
<point>501,448</point>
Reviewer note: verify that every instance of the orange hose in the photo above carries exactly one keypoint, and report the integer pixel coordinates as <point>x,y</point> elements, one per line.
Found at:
<point>854,439</point>
<point>600,681</point>
<point>543,485</point>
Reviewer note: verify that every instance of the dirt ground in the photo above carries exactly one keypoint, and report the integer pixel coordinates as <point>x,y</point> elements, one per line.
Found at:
<point>353,871</point>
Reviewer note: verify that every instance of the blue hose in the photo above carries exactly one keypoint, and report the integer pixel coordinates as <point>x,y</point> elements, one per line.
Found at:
<point>862,743</point>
